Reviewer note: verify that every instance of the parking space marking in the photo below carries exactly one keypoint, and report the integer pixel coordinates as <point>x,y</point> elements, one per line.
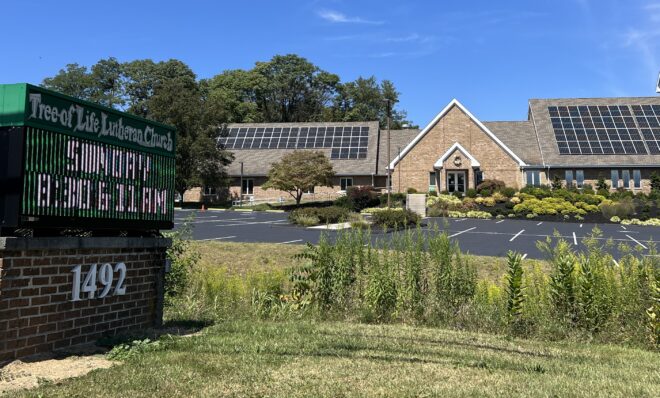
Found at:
<point>499,221</point>
<point>224,237</point>
<point>290,241</point>
<point>636,241</point>
<point>574,239</point>
<point>516,235</point>
<point>580,225</point>
<point>462,232</point>
<point>539,223</point>
<point>251,223</point>
<point>524,256</point>
<point>623,226</point>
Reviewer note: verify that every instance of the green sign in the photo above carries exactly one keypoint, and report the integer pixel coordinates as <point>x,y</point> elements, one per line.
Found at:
<point>27,105</point>
<point>83,165</point>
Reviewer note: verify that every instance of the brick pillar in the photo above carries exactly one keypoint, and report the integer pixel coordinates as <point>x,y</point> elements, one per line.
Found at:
<point>38,309</point>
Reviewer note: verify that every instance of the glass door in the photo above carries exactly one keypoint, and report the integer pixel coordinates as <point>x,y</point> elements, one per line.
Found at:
<point>456,181</point>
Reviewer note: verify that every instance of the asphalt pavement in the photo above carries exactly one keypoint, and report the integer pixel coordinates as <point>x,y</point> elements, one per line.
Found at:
<point>481,237</point>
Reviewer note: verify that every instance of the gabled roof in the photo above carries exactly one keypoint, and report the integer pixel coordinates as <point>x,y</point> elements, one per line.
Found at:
<point>398,140</point>
<point>439,116</point>
<point>441,160</point>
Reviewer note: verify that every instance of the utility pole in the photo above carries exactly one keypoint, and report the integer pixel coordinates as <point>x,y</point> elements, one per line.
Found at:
<point>240,197</point>
<point>389,172</point>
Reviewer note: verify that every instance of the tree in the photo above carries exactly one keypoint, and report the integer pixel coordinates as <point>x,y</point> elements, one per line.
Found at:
<point>299,172</point>
<point>73,80</point>
<point>166,92</point>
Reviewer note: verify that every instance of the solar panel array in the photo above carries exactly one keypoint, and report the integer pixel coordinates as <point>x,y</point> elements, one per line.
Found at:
<point>606,129</point>
<point>345,142</point>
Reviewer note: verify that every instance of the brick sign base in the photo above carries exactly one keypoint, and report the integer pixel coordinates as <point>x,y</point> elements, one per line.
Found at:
<point>38,312</point>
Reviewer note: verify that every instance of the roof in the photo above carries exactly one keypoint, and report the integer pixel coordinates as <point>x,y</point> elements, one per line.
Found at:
<point>439,163</point>
<point>540,117</point>
<point>257,162</point>
<point>440,115</point>
<point>520,137</point>
<point>399,139</point>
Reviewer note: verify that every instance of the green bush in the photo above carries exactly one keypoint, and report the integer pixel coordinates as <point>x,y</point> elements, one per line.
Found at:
<point>411,190</point>
<point>491,185</point>
<point>622,209</point>
<point>508,192</point>
<point>325,215</point>
<point>358,198</point>
<point>183,259</point>
<point>391,218</point>
<point>485,192</point>
<point>471,193</point>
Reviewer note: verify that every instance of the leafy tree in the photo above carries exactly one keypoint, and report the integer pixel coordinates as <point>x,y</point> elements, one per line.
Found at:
<point>107,83</point>
<point>655,182</point>
<point>73,80</point>
<point>299,172</point>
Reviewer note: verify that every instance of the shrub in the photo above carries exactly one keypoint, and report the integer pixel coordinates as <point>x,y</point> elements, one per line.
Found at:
<point>443,200</point>
<point>357,221</point>
<point>458,194</point>
<point>601,185</point>
<point>397,199</point>
<point>515,200</point>
<point>411,190</point>
<point>491,185</point>
<point>358,198</point>
<point>615,219</point>
<point>622,209</point>
<point>588,189</point>
<point>332,214</point>
<point>183,259</point>
<point>487,201</point>
<point>485,192</point>
<point>655,181</point>
<point>471,193</point>
<point>432,193</point>
<point>499,197</point>
<point>530,215</point>
<point>556,182</point>
<point>308,216</point>
<point>516,297</point>
<point>603,192</point>
<point>478,214</point>
<point>508,192</point>
<point>390,218</point>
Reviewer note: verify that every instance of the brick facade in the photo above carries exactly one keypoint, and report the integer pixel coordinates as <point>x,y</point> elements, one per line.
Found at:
<point>37,313</point>
<point>455,127</point>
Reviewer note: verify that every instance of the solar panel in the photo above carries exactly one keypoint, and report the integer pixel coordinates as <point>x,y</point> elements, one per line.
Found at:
<point>609,130</point>
<point>345,142</point>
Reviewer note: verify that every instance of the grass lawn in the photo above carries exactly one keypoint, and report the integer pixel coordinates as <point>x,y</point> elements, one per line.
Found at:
<point>301,358</point>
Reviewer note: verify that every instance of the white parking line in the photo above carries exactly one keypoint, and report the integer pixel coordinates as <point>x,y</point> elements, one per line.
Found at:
<point>290,241</point>
<point>516,235</point>
<point>580,225</point>
<point>461,219</point>
<point>462,232</point>
<point>636,241</point>
<point>499,221</point>
<point>250,223</point>
<point>539,223</point>
<point>524,256</point>
<point>623,226</point>
<point>615,262</point>
<point>574,239</point>
<point>224,237</point>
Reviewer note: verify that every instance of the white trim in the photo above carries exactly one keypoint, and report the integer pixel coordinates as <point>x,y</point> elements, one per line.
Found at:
<point>437,118</point>
<point>438,164</point>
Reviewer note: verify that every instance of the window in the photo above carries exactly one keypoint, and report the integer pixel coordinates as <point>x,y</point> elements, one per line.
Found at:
<point>478,177</point>
<point>432,181</point>
<point>533,178</point>
<point>569,178</point>
<point>579,178</point>
<point>615,179</point>
<point>637,178</point>
<point>248,186</point>
<point>310,191</point>
<point>625,175</point>
<point>345,182</point>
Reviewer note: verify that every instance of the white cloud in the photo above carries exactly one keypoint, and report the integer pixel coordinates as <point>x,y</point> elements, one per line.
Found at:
<point>338,17</point>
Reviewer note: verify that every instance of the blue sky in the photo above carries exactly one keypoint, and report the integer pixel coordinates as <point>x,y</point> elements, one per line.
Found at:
<point>490,55</point>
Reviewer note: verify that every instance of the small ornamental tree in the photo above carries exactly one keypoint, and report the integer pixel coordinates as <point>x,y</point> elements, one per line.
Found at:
<point>299,172</point>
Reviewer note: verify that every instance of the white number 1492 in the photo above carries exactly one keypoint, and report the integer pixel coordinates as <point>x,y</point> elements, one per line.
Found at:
<point>103,275</point>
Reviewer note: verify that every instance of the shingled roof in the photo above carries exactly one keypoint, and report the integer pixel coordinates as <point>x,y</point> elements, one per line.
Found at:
<point>540,117</point>
<point>520,137</point>
<point>257,162</point>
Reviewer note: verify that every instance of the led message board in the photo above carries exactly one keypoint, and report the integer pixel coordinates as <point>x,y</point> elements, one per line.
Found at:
<point>67,163</point>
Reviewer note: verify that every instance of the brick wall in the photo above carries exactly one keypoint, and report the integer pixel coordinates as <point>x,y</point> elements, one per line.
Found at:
<point>37,313</point>
<point>456,126</point>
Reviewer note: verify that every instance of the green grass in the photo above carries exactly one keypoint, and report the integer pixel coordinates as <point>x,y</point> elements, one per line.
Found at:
<point>301,358</point>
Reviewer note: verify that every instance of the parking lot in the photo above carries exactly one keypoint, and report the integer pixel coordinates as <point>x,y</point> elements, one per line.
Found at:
<point>481,237</point>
